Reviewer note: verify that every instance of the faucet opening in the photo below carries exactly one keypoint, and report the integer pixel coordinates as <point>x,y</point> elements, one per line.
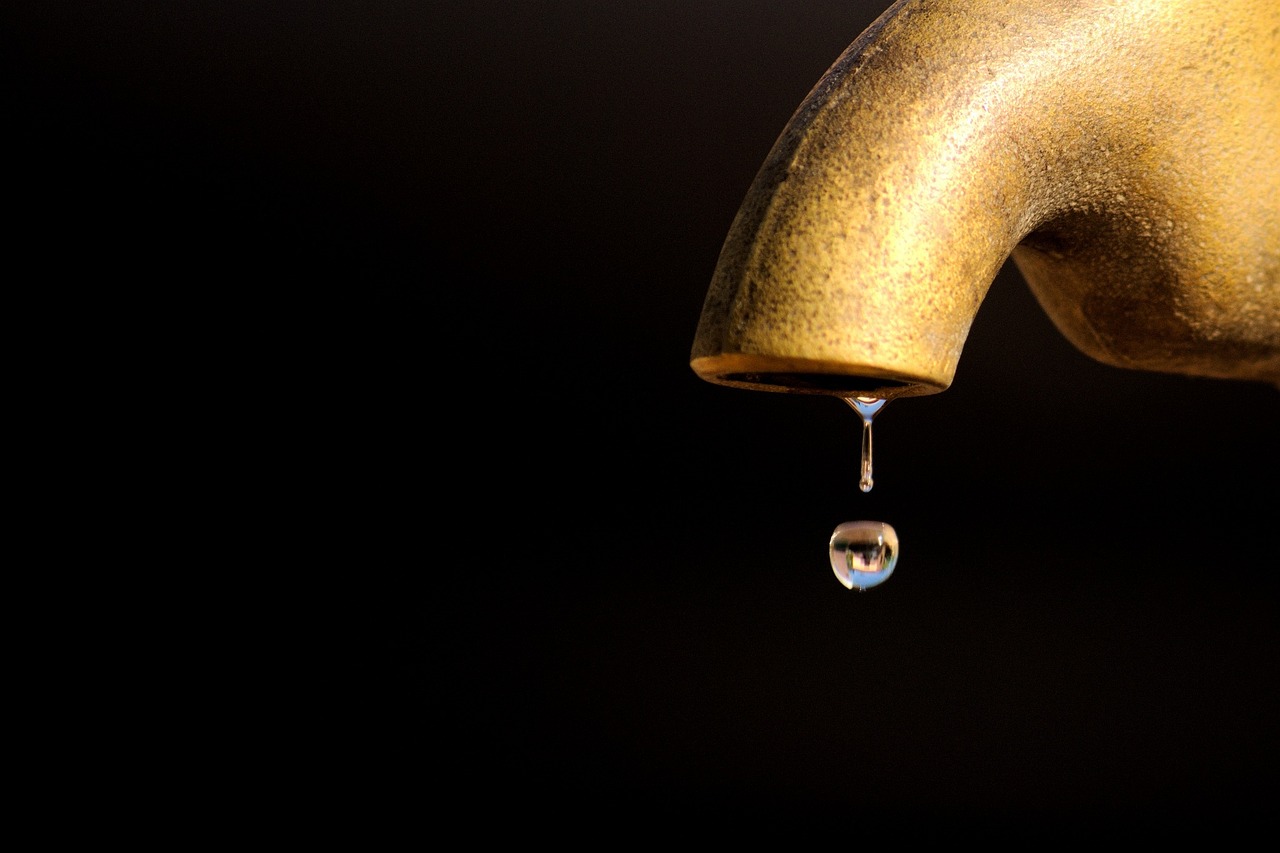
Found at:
<point>816,383</point>
<point>795,376</point>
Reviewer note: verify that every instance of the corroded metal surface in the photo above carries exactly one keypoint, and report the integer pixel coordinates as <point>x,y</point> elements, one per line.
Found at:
<point>1125,153</point>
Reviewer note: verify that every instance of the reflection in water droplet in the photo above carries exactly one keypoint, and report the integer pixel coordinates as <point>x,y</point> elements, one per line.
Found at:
<point>866,407</point>
<point>863,553</point>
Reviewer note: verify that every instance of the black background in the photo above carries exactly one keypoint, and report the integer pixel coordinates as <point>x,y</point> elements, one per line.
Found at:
<point>439,267</point>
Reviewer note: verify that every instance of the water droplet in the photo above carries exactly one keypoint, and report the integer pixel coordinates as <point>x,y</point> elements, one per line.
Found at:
<point>863,553</point>
<point>866,407</point>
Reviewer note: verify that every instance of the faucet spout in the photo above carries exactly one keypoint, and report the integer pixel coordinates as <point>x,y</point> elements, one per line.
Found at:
<point>1124,153</point>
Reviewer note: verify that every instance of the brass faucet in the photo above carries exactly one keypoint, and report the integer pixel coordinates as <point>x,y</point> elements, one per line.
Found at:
<point>1124,153</point>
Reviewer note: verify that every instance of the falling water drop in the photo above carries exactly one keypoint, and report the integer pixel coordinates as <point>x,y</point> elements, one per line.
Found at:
<point>863,553</point>
<point>866,407</point>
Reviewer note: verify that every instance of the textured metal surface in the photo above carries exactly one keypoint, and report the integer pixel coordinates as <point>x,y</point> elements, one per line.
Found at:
<point>1126,154</point>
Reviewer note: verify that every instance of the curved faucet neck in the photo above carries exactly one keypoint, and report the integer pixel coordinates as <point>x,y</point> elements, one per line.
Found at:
<point>1125,154</point>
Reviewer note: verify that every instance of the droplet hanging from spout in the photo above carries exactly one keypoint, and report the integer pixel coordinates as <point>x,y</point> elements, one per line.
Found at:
<point>866,407</point>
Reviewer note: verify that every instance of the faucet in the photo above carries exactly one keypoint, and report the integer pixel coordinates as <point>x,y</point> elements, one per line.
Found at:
<point>1124,153</point>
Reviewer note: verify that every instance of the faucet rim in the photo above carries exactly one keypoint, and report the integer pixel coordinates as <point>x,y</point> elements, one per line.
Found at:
<point>788,375</point>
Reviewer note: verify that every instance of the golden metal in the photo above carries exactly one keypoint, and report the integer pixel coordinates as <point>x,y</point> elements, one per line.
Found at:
<point>1125,153</point>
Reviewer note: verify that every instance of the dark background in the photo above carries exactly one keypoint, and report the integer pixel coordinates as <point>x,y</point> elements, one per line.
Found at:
<point>437,268</point>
